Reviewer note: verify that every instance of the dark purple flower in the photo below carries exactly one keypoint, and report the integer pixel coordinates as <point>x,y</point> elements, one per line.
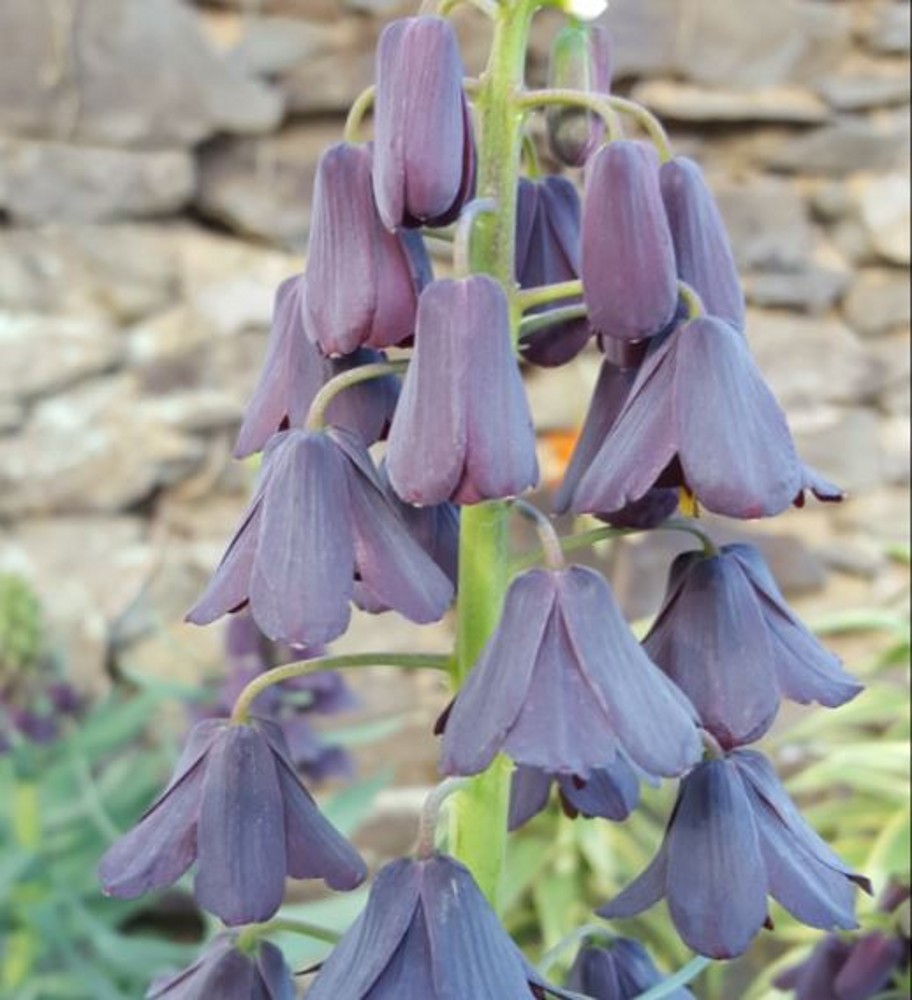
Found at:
<point>362,281</point>
<point>610,792</point>
<point>611,392</point>
<point>237,808</point>
<point>734,838</point>
<point>698,415</point>
<point>728,640</point>
<point>424,153</point>
<point>629,275</point>
<point>563,686</point>
<point>226,973</point>
<point>846,970</point>
<point>427,933</point>
<point>547,253</point>
<point>320,518</point>
<point>295,370</point>
<point>580,60</point>
<point>462,430</point>
<point>702,248</point>
<point>621,970</point>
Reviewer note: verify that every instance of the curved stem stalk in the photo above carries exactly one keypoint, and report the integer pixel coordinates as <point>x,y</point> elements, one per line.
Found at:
<point>316,416</point>
<point>679,979</point>
<point>598,104</point>
<point>546,294</point>
<point>407,661</point>
<point>541,321</point>
<point>364,104</point>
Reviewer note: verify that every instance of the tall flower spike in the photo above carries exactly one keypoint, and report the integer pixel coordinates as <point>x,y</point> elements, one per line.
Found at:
<point>227,973</point>
<point>628,263</point>
<point>427,933</point>
<point>728,640</point>
<point>237,808</point>
<point>580,60</point>
<point>702,248</point>
<point>294,372</point>
<point>563,685</point>
<point>610,792</point>
<point>734,825</point>
<point>374,304</point>
<point>611,392</point>
<point>620,971</point>
<point>319,519</point>
<point>462,430</point>
<point>699,414</point>
<point>547,253</point>
<point>424,153</point>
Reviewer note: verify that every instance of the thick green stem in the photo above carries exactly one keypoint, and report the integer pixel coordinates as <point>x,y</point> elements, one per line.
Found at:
<point>478,832</point>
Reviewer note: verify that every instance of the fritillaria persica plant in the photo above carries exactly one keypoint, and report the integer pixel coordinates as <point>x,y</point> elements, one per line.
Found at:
<point>625,253</point>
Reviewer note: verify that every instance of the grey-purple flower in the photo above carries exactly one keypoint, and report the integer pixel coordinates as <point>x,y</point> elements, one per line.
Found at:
<point>224,972</point>
<point>234,806</point>
<point>424,152</point>
<point>319,519</point>
<point>618,970</point>
<point>295,370</point>
<point>838,969</point>
<point>462,430</point>
<point>628,260</point>
<point>563,686</point>
<point>733,839</point>
<point>700,415</point>
<point>427,933</point>
<point>374,304</point>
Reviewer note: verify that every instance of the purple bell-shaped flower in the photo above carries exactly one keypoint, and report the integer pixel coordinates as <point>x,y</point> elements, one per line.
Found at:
<point>620,970</point>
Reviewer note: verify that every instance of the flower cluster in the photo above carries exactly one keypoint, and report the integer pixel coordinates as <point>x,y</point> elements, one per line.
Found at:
<point>641,266</point>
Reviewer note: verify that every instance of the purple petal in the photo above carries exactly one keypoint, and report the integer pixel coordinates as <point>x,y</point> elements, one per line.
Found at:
<point>734,442</point>
<point>702,248</point>
<point>611,792</point>
<point>652,720</point>
<point>275,975</point>
<point>186,984</point>
<point>870,966</point>
<point>814,978</point>
<point>530,788</point>
<point>410,970</point>
<point>645,891</point>
<point>492,697</point>
<point>711,639</point>
<point>628,261</point>
<point>359,959</point>
<point>302,579</point>
<point>241,841</point>
<point>713,846</point>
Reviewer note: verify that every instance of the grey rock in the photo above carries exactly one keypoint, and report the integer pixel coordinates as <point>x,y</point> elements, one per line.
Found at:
<point>854,558</point>
<point>122,72</point>
<point>844,445</point>
<point>91,450</point>
<point>885,205</point>
<point>50,181</point>
<point>897,448</point>
<point>832,200</point>
<point>270,46</point>
<point>879,302</point>
<point>44,354</point>
<point>695,103</point>
<point>813,361</point>
<point>262,187</point>
<point>882,515</point>
<point>768,223</point>
<point>889,31</point>
<point>844,147</point>
<point>333,77</point>
<point>813,291</point>
<point>12,415</point>
<point>895,358</point>
<point>862,92</point>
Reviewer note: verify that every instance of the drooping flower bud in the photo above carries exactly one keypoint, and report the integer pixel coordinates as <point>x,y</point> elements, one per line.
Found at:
<point>734,825</point>
<point>427,933</point>
<point>362,281</point>
<point>563,686</point>
<point>462,430</point>
<point>424,153</point>
<point>236,807</point>
<point>226,972</point>
<point>727,638</point>
<point>319,518</point>
<point>699,414</point>
<point>628,268</point>
<point>294,372</point>
<point>547,253</point>
<point>621,970</point>
<point>702,248</point>
<point>580,60</point>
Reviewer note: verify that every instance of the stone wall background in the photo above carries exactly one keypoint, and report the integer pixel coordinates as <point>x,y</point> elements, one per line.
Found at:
<point>156,160</point>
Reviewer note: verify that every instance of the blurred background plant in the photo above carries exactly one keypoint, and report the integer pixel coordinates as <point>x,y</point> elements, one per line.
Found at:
<point>849,771</point>
<point>74,776</point>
